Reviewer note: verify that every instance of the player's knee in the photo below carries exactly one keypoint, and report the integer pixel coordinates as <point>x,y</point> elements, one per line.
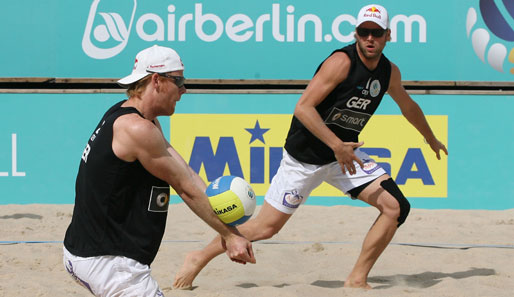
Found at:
<point>390,208</point>
<point>400,210</point>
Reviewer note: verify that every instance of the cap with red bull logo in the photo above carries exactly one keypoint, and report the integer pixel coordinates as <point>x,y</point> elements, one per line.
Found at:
<point>373,13</point>
<point>373,9</point>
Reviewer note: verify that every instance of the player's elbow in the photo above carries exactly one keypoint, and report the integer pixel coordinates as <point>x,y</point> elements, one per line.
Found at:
<point>411,113</point>
<point>298,110</point>
<point>301,111</point>
<point>187,190</point>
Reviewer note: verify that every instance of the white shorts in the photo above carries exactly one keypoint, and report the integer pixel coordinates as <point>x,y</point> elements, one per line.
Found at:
<point>111,275</point>
<point>295,180</point>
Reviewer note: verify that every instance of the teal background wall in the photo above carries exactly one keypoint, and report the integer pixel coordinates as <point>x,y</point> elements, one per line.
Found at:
<point>52,129</point>
<point>44,135</point>
<point>440,40</point>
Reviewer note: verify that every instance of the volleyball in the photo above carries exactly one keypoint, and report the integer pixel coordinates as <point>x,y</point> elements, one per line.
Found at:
<point>232,199</point>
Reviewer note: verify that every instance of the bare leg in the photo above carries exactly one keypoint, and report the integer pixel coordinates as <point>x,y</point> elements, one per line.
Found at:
<point>380,234</point>
<point>268,222</point>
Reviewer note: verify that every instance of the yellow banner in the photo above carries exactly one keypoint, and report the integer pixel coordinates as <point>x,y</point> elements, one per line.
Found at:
<point>414,166</point>
<point>250,145</point>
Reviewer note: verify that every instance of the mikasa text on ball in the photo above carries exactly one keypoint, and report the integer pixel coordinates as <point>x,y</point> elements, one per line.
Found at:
<point>232,199</point>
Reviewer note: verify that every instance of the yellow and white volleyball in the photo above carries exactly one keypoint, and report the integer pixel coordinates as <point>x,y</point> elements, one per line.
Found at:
<point>232,199</point>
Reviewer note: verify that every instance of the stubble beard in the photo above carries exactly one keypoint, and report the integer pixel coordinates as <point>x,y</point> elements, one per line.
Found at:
<point>366,54</point>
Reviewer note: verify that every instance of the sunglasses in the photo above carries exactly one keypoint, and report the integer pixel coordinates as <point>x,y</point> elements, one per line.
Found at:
<point>177,80</point>
<point>364,32</point>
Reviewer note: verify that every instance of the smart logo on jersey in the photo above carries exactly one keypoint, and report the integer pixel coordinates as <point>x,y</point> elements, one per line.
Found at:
<point>495,42</point>
<point>250,146</point>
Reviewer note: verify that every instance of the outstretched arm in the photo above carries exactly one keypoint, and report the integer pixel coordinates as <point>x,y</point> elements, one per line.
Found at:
<point>135,138</point>
<point>412,112</point>
<point>197,179</point>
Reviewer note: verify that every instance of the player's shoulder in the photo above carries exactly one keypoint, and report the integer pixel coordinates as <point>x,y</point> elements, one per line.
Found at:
<point>394,66</point>
<point>136,126</point>
<point>337,62</point>
<point>339,57</point>
<point>395,71</point>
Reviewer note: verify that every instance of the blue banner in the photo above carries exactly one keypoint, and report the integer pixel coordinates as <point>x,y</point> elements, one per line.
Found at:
<point>440,40</point>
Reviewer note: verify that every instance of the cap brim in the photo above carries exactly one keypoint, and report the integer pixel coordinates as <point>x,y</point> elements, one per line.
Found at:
<point>132,78</point>
<point>373,21</point>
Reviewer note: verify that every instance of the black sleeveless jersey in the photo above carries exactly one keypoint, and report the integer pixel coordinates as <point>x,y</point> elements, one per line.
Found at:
<point>345,111</point>
<point>120,208</point>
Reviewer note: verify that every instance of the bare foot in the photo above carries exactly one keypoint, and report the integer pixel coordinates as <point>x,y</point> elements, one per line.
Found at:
<point>189,270</point>
<point>357,284</point>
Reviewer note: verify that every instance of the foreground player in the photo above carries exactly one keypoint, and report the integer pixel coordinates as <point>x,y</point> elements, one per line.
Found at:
<point>122,187</point>
<point>322,145</point>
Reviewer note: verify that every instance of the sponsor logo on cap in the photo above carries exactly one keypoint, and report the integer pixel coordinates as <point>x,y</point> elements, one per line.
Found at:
<point>374,13</point>
<point>373,9</point>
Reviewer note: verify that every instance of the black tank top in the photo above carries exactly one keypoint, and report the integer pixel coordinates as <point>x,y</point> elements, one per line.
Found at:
<point>120,208</point>
<point>345,111</point>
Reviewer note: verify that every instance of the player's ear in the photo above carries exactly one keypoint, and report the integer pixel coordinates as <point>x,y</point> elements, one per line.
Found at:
<point>155,77</point>
<point>155,80</point>
<point>388,35</point>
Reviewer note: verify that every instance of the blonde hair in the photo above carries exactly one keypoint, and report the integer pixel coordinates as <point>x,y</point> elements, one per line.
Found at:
<point>138,87</point>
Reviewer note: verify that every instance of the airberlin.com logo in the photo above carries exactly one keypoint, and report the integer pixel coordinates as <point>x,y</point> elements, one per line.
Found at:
<point>493,44</point>
<point>109,25</point>
<point>113,26</point>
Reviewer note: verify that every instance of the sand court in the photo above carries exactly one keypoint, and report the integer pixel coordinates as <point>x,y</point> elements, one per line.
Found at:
<point>435,253</point>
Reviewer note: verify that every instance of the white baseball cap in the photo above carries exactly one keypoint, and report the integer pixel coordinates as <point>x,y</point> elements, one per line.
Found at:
<point>158,59</point>
<point>373,13</point>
